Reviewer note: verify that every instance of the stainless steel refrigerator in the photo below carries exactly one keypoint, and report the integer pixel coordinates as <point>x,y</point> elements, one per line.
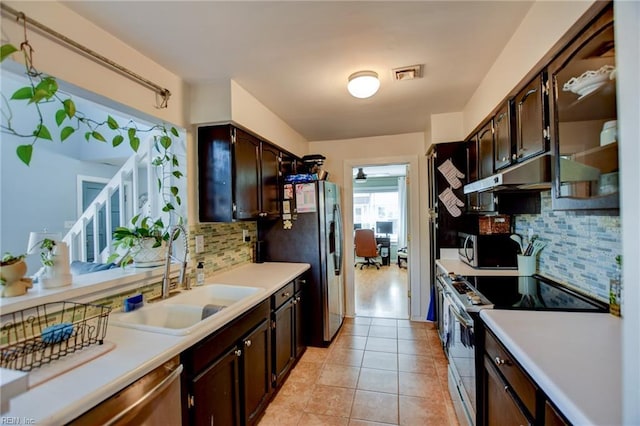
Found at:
<point>313,234</point>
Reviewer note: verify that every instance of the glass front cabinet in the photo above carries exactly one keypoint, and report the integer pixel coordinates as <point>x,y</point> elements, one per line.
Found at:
<point>583,120</point>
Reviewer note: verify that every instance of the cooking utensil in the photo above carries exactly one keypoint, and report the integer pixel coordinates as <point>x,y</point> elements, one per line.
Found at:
<point>537,247</point>
<point>529,249</point>
<point>518,239</point>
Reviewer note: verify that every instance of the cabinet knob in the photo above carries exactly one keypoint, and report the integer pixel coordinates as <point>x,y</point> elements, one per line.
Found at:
<point>295,301</point>
<point>247,343</point>
<point>286,294</point>
<point>298,299</point>
<point>238,352</point>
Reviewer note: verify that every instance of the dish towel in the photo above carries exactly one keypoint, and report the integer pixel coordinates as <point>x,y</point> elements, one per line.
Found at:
<point>431,312</point>
<point>446,321</point>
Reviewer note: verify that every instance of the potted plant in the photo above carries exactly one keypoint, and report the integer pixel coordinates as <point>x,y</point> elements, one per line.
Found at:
<point>12,271</point>
<point>142,243</point>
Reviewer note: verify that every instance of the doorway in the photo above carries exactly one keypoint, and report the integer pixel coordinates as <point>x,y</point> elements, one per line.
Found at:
<point>380,204</point>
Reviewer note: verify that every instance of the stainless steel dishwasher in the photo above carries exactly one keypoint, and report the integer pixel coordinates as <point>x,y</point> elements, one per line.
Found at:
<point>151,400</point>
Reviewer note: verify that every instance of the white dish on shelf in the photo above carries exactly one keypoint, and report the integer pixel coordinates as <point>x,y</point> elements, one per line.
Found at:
<point>589,81</point>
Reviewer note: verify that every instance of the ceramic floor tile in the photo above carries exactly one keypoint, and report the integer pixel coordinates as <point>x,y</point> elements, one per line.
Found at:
<point>412,334</point>
<point>352,357</point>
<point>422,411</point>
<point>362,320</point>
<point>331,401</point>
<point>416,364</point>
<point>349,341</point>
<point>310,419</point>
<point>420,385</point>
<point>414,347</point>
<point>383,331</point>
<point>380,360</point>
<point>315,354</point>
<point>306,372</point>
<point>339,375</point>
<point>355,329</point>
<point>382,344</point>
<point>375,406</point>
<point>356,422</point>
<point>384,321</point>
<point>378,380</point>
<point>275,416</point>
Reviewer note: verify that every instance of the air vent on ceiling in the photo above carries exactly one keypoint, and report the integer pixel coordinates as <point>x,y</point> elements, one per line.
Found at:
<point>408,73</point>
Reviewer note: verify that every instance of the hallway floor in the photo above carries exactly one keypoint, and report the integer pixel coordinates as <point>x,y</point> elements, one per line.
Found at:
<point>382,293</point>
<point>376,372</point>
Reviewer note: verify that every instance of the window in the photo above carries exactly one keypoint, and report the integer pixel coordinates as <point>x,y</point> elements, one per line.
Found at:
<point>372,207</point>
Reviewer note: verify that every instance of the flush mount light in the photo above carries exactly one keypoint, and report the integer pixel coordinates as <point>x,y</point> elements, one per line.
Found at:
<point>361,177</point>
<point>363,84</point>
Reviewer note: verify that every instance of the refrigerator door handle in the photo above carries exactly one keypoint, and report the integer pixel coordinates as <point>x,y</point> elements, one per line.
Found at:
<point>337,236</point>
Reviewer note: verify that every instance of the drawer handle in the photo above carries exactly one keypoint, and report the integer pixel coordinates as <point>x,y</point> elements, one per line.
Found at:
<point>500,361</point>
<point>286,294</point>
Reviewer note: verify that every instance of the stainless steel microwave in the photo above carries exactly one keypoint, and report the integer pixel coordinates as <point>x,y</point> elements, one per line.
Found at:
<point>488,251</point>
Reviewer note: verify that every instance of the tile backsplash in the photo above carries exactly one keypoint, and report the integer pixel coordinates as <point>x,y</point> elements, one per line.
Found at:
<point>581,246</point>
<point>224,249</point>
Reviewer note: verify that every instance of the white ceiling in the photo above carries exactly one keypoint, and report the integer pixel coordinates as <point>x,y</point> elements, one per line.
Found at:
<point>295,56</point>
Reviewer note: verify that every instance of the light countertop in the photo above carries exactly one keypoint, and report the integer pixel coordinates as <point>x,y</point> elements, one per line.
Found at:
<point>457,266</point>
<point>136,353</point>
<point>574,357</point>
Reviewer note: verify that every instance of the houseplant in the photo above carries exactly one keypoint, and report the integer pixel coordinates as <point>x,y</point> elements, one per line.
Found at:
<point>141,243</point>
<point>12,271</point>
<point>43,89</point>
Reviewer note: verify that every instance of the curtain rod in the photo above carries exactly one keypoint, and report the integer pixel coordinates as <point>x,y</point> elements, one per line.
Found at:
<point>164,93</point>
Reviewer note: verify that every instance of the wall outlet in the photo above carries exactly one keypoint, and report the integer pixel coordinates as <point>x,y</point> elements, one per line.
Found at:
<point>245,236</point>
<point>199,243</point>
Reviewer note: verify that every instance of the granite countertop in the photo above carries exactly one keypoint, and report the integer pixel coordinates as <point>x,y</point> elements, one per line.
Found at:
<point>574,357</point>
<point>136,353</point>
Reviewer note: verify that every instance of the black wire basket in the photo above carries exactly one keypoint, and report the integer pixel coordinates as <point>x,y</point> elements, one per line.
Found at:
<point>35,336</point>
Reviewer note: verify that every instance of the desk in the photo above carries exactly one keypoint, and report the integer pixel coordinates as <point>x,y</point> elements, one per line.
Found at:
<point>385,249</point>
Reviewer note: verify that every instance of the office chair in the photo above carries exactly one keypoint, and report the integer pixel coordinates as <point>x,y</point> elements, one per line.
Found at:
<point>365,243</point>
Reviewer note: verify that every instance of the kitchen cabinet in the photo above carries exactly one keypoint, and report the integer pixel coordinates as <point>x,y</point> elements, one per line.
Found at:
<point>288,332</point>
<point>583,112</point>
<point>502,131</point>
<point>479,166</point>
<point>508,395</point>
<point>239,175</point>
<point>228,374</point>
<point>531,105</point>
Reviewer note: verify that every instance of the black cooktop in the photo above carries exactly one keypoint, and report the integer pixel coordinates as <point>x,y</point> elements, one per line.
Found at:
<point>533,293</point>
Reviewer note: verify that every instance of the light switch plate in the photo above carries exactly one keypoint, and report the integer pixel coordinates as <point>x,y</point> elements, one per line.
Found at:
<point>199,243</point>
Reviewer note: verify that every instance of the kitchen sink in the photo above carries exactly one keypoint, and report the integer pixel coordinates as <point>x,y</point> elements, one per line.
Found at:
<point>183,313</point>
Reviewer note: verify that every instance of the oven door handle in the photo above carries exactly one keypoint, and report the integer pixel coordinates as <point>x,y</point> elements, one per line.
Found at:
<point>455,313</point>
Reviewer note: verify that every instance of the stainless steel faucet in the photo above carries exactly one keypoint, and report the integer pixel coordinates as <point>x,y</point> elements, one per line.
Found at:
<point>183,279</point>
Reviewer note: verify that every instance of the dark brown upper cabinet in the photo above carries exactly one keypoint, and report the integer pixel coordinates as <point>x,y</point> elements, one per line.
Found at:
<point>502,146</point>
<point>478,167</point>
<point>239,175</point>
<point>583,114</point>
<point>530,117</point>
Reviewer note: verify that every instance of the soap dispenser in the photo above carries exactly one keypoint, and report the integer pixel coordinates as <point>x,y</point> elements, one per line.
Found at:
<point>200,274</point>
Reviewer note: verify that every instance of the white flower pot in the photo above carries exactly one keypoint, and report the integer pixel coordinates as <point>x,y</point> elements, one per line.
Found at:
<point>147,256</point>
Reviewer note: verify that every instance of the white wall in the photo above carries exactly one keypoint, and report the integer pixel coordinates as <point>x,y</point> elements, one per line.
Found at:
<point>448,127</point>
<point>627,17</point>
<point>342,156</point>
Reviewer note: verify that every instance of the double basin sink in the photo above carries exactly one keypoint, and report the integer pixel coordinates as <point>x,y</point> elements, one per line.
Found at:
<point>183,313</point>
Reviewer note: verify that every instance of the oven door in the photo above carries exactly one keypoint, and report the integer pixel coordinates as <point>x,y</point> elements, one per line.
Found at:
<point>461,354</point>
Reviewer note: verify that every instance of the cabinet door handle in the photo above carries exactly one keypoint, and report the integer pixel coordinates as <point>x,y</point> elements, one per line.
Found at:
<point>238,352</point>
<point>247,343</point>
<point>500,361</point>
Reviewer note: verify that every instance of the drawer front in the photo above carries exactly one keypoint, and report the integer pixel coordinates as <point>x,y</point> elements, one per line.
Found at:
<point>299,283</point>
<point>517,379</point>
<point>282,295</point>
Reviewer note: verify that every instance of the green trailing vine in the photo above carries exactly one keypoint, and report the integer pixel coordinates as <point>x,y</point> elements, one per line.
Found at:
<point>43,89</point>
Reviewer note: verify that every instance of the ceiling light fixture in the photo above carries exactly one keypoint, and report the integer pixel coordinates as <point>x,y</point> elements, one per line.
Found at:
<point>361,177</point>
<point>363,84</point>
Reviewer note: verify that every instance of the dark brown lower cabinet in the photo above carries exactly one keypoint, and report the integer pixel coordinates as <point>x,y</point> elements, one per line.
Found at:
<point>283,341</point>
<point>228,374</point>
<point>216,397</point>
<point>502,406</point>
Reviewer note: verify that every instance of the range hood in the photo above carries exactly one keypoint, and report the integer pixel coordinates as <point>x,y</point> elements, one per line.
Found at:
<point>532,174</point>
